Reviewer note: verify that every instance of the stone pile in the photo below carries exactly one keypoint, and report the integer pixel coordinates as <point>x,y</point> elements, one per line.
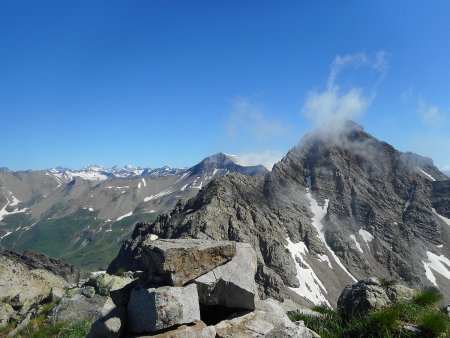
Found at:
<point>195,288</point>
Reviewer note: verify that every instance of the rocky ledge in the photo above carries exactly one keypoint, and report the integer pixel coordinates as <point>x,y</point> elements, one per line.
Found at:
<point>195,288</point>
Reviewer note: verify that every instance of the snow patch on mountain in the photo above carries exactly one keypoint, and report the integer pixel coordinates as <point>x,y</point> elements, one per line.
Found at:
<point>366,236</point>
<point>356,243</point>
<point>439,264</point>
<point>446,220</point>
<point>4,212</point>
<point>160,194</point>
<point>123,216</point>
<point>15,201</point>
<point>324,258</point>
<point>427,175</point>
<point>318,215</point>
<point>310,287</point>
<point>7,234</point>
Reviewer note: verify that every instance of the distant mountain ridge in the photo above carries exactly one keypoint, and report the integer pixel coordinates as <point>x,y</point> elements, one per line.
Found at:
<point>76,214</point>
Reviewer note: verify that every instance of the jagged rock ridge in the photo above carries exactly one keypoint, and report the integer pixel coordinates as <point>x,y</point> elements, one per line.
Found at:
<point>336,208</point>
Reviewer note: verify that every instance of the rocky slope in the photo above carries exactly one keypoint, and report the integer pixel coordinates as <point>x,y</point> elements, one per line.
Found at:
<point>82,216</point>
<point>337,208</point>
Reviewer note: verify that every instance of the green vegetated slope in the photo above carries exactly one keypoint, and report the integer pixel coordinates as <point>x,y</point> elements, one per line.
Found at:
<point>79,238</point>
<point>420,317</point>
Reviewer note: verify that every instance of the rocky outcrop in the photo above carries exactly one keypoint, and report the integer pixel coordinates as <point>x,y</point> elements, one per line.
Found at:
<point>440,197</point>
<point>179,261</point>
<point>337,208</point>
<point>110,326</point>
<point>30,282</point>
<point>155,309</point>
<point>222,302</point>
<point>268,320</point>
<point>33,261</point>
<point>195,330</point>
<point>370,294</point>
<point>232,284</point>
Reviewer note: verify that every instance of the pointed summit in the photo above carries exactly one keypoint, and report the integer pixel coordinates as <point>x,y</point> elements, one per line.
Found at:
<point>226,162</point>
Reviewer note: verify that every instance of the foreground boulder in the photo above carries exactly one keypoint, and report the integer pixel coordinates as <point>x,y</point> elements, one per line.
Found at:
<point>370,294</point>
<point>268,320</point>
<point>151,310</point>
<point>232,284</point>
<point>110,326</point>
<point>23,286</point>
<point>105,283</point>
<point>30,283</point>
<point>177,262</point>
<point>196,330</point>
<point>72,309</point>
<point>219,275</point>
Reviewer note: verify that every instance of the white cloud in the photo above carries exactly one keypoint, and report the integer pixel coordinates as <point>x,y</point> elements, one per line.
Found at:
<point>249,122</point>
<point>333,106</point>
<point>266,157</point>
<point>431,114</point>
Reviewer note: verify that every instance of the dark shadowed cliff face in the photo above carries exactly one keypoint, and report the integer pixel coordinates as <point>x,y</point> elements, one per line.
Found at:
<point>334,209</point>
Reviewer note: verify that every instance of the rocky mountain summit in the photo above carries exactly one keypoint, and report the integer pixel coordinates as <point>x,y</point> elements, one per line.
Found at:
<point>337,208</point>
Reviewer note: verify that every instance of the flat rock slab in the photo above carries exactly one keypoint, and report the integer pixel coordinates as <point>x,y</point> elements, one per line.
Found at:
<point>151,310</point>
<point>268,320</point>
<point>178,261</point>
<point>253,324</point>
<point>232,284</point>
<point>196,330</point>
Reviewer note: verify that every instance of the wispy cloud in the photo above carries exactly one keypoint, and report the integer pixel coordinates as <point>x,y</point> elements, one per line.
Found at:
<point>250,123</point>
<point>266,157</point>
<point>431,114</point>
<point>331,107</point>
<point>255,133</point>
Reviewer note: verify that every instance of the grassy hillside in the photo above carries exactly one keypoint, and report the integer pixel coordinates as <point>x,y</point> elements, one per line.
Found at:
<point>79,238</point>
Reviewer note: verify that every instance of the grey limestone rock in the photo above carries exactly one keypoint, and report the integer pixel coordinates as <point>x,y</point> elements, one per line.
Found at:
<point>268,320</point>
<point>104,283</point>
<point>5,314</point>
<point>112,325</point>
<point>74,308</point>
<point>232,284</point>
<point>180,261</point>
<point>151,310</point>
<point>362,297</point>
<point>33,260</point>
<point>299,330</point>
<point>122,296</point>
<point>195,330</point>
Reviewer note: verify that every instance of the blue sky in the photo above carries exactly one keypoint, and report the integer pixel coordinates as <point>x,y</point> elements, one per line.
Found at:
<point>169,82</point>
